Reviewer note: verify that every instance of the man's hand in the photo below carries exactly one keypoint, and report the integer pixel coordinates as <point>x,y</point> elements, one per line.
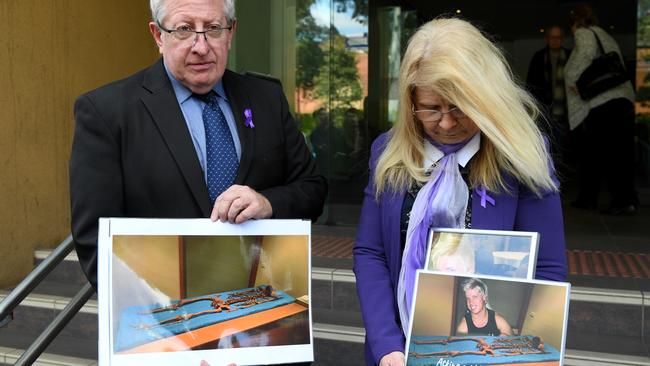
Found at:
<point>392,359</point>
<point>240,203</point>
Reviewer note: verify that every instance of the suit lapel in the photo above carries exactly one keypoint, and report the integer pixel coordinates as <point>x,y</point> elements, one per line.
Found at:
<point>239,101</point>
<point>168,117</point>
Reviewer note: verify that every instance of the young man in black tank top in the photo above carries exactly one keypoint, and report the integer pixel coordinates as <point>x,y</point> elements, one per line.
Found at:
<point>478,319</point>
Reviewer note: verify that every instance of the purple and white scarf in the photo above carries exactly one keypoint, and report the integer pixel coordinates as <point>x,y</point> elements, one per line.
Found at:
<point>442,202</point>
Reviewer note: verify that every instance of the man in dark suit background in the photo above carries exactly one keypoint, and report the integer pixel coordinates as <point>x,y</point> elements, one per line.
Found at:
<point>139,146</point>
<point>545,80</point>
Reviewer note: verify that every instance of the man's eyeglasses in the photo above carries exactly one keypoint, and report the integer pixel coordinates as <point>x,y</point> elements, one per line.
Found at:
<point>184,33</point>
<point>434,115</point>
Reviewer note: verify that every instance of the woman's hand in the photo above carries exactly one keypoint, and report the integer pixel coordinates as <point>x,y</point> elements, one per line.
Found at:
<point>392,359</point>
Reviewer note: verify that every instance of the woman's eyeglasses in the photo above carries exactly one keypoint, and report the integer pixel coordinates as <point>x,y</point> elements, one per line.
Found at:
<point>434,115</point>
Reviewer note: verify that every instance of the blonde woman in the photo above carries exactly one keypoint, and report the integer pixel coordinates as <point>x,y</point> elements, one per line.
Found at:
<point>465,152</point>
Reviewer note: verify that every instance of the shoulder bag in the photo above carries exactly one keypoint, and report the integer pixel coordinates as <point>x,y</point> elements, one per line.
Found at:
<point>605,72</point>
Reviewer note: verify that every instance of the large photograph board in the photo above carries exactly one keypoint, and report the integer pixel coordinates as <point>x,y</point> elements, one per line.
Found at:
<point>525,324</point>
<point>482,252</point>
<point>185,291</point>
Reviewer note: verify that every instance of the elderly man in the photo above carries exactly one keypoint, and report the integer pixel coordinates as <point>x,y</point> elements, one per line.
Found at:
<point>545,81</point>
<point>187,138</point>
<point>479,319</point>
<point>546,72</point>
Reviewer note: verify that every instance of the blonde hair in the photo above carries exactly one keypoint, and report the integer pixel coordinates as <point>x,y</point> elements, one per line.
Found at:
<point>449,244</point>
<point>454,59</point>
<point>472,283</point>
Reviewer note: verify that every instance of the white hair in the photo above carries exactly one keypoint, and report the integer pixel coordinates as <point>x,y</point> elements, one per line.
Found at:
<point>158,10</point>
<point>475,283</point>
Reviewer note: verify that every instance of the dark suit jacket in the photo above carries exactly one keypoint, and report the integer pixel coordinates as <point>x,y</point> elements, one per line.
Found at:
<point>378,251</point>
<point>538,79</point>
<point>132,156</point>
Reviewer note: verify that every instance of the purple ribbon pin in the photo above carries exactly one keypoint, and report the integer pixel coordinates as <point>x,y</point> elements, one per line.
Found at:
<point>484,197</point>
<point>248,114</point>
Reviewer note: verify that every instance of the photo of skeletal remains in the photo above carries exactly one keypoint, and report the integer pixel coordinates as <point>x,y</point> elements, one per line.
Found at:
<point>482,346</point>
<point>217,289</point>
<point>458,320</point>
<point>217,303</point>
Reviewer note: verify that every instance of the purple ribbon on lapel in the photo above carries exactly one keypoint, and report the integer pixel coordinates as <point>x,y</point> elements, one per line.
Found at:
<point>484,197</point>
<point>248,114</point>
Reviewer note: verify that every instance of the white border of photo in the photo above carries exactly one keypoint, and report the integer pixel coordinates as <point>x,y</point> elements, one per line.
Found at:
<point>532,251</point>
<point>217,357</point>
<point>421,272</point>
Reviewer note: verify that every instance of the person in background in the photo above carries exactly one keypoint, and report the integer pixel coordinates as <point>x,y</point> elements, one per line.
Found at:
<point>545,81</point>
<point>602,127</point>
<point>186,138</point>
<point>320,141</point>
<point>465,152</point>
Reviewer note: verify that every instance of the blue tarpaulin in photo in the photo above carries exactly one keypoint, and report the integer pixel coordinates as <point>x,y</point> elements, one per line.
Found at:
<point>551,354</point>
<point>135,325</point>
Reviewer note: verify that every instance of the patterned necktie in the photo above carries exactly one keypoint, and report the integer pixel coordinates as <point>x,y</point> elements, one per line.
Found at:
<point>221,157</point>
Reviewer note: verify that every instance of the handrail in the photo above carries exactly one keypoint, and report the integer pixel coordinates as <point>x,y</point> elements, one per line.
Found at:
<point>25,287</point>
<point>40,344</point>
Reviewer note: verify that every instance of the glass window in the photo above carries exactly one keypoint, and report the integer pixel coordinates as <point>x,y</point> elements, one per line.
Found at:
<point>338,61</point>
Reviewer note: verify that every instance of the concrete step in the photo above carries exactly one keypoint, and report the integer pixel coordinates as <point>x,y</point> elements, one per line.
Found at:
<point>9,356</point>
<point>83,350</point>
<point>37,311</point>
<point>615,313</point>
<point>67,272</point>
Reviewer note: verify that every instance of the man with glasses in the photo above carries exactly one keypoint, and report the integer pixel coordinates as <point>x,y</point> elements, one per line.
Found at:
<point>187,138</point>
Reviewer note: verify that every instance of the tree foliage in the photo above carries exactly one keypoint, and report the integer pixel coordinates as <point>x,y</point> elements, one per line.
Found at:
<point>339,82</point>
<point>310,55</point>
<point>325,68</point>
<point>643,31</point>
<point>359,9</point>
<point>643,41</point>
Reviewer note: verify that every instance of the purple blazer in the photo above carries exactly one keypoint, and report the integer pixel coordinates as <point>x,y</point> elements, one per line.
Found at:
<point>378,257</point>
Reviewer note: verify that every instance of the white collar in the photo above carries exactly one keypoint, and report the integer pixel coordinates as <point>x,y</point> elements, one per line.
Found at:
<point>432,154</point>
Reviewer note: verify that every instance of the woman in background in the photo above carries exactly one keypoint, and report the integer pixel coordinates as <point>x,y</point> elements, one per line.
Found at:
<point>464,153</point>
<point>603,127</point>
